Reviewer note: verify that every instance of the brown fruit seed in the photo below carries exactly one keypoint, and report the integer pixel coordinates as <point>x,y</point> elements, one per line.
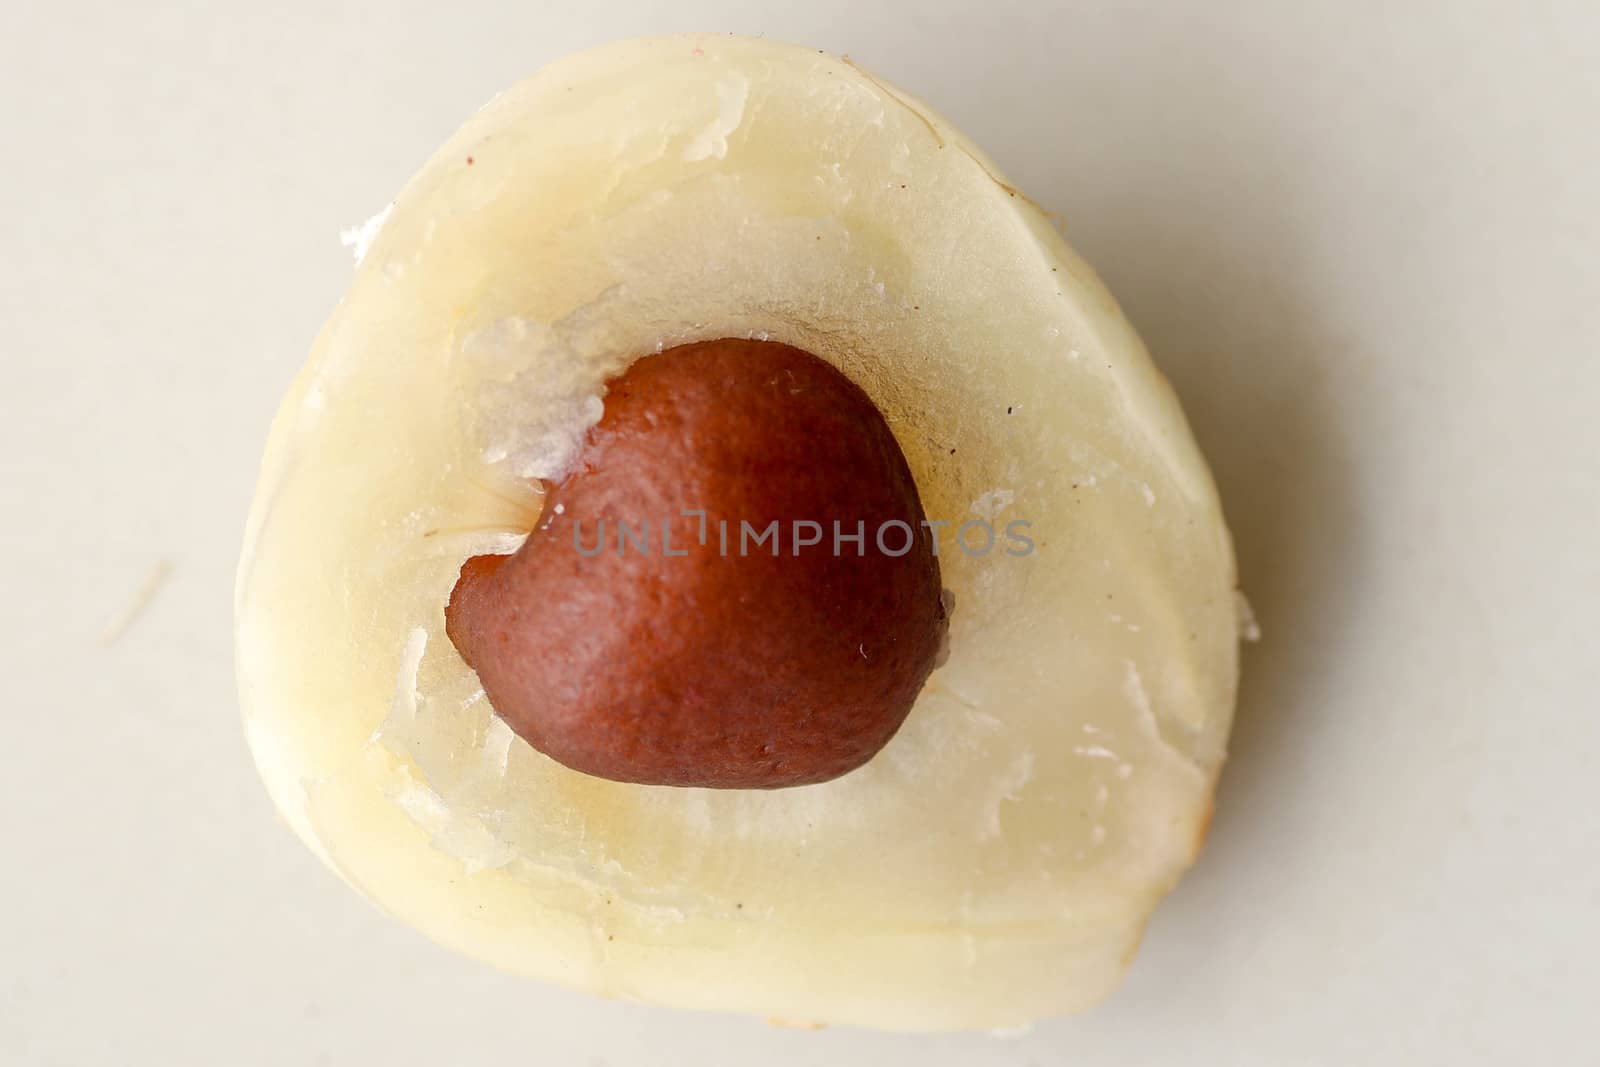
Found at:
<point>754,666</point>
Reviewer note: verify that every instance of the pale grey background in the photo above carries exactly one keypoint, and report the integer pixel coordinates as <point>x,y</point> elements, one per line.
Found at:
<point>1361,239</point>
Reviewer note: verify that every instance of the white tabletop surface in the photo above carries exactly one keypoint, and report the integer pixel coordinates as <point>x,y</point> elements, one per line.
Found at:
<point>1360,237</point>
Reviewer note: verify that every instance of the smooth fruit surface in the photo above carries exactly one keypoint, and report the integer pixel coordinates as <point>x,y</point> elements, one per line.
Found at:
<point>997,861</point>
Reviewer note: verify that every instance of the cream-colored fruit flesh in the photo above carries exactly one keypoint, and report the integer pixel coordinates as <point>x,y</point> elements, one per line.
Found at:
<point>998,860</point>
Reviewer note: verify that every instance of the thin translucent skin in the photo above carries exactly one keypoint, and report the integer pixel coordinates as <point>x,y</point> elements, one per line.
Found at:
<point>997,861</point>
